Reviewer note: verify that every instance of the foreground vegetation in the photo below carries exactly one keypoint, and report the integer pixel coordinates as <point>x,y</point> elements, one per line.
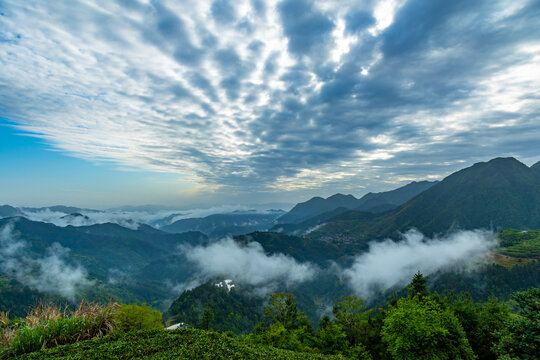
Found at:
<point>420,325</point>
<point>169,344</point>
<point>49,326</point>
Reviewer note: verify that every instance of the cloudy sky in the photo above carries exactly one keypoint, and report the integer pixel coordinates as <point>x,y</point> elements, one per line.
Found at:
<point>105,103</point>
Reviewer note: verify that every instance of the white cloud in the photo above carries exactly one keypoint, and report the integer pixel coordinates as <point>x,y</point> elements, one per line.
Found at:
<point>248,264</point>
<point>50,273</point>
<point>389,263</point>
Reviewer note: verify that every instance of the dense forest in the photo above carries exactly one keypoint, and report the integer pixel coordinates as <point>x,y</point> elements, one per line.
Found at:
<point>419,325</point>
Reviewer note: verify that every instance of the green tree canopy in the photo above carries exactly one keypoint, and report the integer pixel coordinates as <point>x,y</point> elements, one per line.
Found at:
<point>283,309</point>
<point>351,316</point>
<point>422,329</point>
<point>521,339</point>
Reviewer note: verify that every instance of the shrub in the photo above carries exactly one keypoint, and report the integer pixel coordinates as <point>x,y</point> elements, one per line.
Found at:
<point>134,317</point>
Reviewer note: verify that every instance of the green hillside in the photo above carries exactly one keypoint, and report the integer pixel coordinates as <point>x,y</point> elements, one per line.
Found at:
<point>520,243</point>
<point>233,310</point>
<point>166,344</point>
<point>500,194</point>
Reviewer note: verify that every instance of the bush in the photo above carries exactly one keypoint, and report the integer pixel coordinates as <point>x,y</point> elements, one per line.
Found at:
<point>134,317</point>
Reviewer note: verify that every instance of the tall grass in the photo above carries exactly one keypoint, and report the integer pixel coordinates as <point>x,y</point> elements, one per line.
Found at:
<point>48,326</point>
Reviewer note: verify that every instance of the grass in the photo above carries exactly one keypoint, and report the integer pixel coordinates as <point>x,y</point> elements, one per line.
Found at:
<point>49,326</point>
<point>167,344</point>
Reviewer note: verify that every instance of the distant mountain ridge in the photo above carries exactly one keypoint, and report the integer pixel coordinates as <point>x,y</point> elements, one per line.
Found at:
<point>9,211</point>
<point>501,193</point>
<point>229,224</point>
<point>371,202</point>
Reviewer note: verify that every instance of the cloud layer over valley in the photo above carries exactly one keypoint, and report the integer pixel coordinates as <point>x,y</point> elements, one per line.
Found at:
<point>248,265</point>
<point>389,263</point>
<point>50,272</point>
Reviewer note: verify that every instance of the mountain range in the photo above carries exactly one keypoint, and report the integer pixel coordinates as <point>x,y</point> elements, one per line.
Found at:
<point>142,263</point>
<point>498,194</point>
<point>231,224</point>
<point>371,202</point>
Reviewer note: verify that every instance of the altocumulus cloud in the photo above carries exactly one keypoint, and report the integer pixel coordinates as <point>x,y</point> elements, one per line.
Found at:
<point>276,94</point>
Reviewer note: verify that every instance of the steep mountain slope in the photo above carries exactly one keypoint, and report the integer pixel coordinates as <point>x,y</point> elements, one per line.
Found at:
<point>501,193</point>
<point>231,224</point>
<point>371,202</point>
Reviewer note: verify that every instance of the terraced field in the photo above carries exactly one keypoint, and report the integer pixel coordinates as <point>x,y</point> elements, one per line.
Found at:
<point>520,244</point>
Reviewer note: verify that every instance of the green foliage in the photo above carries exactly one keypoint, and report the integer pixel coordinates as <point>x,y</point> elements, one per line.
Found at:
<point>284,310</point>
<point>165,344</point>
<point>418,286</point>
<point>206,318</point>
<point>423,329</point>
<point>352,318</point>
<point>480,322</point>
<point>331,339</point>
<point>521,338</point>
<point>134,317</point>
<point>289,327</point>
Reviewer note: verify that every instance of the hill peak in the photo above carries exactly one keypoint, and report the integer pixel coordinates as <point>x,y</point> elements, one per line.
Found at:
<point>340,196</point>
<point>502,162</point>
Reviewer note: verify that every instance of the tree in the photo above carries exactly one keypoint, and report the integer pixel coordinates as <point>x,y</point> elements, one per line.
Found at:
<point>206,318</point>
<point>284,310</point>
<point>134,317</point>
<point>330,337</point>
<point>521,339</point>
<point>351,316</point>
<point>492,318</point>
<point>418,287</point>
<point>422,329</point>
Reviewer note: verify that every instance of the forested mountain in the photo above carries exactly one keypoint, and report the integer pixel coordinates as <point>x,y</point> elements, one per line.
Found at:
<point>234,309</point>
<point>231,224</point>
<point>371,202</point>
<point>8,211</point>
<point>501,193</point>
<point>109,255</point>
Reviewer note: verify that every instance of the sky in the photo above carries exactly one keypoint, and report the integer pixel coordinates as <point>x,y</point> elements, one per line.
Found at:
<point>126,102</point>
